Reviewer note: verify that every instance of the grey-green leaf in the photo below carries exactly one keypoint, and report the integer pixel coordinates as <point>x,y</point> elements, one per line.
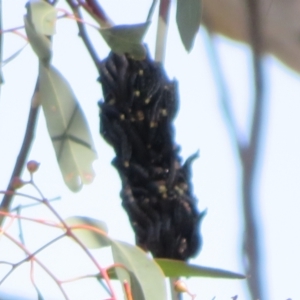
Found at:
<point>188,17</point>
<point>176,268</point>
<point>126,39</point>
<point>145,276</point>
<point>67,128</point>
<point>91,232</point>
<point>42,16</point>
<point>40,44</point>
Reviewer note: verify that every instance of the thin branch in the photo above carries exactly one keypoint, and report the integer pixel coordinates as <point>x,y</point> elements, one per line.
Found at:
<point>14,193</point>
<point>23,154</point>
<point>83,34</point>
<point>70,233</point>
<point>96,10</point>
<point>40,221</point>
<point>222,88</point>
<point>127,289</point>
<point>162,30</point>
<point>252,243</point>
<point>32,204</point>
<point>151,11</point>
<point>21,233</point>
<point>30,255</point>
<point>1,46</point>
<point>174,295</point>
<point>248,153</point>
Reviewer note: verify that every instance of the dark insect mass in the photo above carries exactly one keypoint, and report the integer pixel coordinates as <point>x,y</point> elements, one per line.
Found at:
<point>136,117</point>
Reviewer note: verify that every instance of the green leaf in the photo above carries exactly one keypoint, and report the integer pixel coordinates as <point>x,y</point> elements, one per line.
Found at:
<point>188,17</point>
<point>126,39</point>
<point>176,268</point>
<point>67,128</point>
<point>42,16</point>
<point>145,276</point>
<point>40,44</point>
<point>92,239</point>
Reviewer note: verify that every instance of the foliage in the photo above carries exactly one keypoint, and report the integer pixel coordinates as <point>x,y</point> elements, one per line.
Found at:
<point>131,264</point>
<point>141,276</point>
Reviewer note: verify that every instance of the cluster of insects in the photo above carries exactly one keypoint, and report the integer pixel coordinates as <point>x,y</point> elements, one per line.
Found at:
<point>136,117</point>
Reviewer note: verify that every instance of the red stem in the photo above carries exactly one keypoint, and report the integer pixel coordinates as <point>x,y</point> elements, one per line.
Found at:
<point>164,9</point>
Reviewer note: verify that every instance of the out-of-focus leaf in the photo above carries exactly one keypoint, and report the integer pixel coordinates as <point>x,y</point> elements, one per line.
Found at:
<point>40,44</point>
<point>177,268</point>
<point>188,17</point>
<point>42,16</point>
<point>126,39</point>
<point>13,56</point>
<point>67,128</point>
<point>92,239</point>
<point>145,276</point>
<point>39,294</point>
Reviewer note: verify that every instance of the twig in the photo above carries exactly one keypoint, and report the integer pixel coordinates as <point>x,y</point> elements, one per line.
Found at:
<point>162,30</point>
<point>70,233</point>
<point>14,193</point>
<point>21,233</point>
<point>224,97</point>
<point>40,221</point>
<point>24,151</point>
<point>83,34</point>
<point>248,153</point>
<point>174,294</point>
<point>32,204</point>
<point>95,9</point>
<point>127,290</point>
<point>151,10</point>
<point>1,46</point>
<point>31,256</point>
<point>252,243</point>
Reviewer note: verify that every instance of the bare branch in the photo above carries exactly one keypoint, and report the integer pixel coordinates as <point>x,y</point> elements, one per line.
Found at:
<point>96,10</point>
<point>1,44</point>
<point>151,10</point>
<point>222,88</point>
<point>248,153</point>
<point>252,242</point>
<point>23,154</point>
<point>83,33</point>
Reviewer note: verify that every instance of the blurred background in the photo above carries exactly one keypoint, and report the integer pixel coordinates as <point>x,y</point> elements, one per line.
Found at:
<point>218,105</point>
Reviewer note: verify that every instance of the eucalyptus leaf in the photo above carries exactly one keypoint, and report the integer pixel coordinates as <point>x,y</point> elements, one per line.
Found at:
<point>40,44</point>
<point>188,17</point>
<point>67,128</point>
<point>177,268</point>
<point>92,239</point>
<point>145,276</point>
<point>126,39</point>
<point>42,16</point>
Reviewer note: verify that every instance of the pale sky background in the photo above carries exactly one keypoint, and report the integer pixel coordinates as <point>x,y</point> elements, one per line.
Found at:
<point>199,125</point>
